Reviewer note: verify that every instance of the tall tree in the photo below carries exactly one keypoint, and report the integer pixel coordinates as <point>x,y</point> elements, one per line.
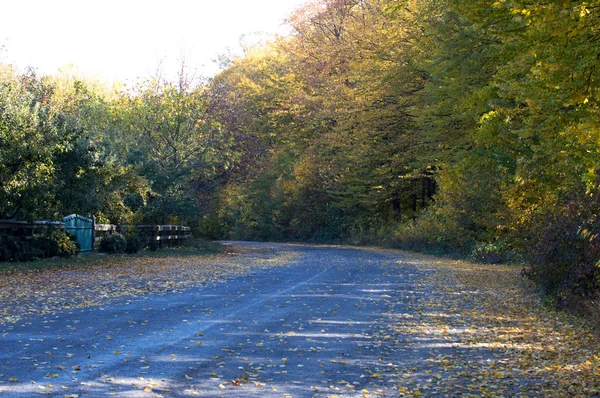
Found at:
<point>32,132</point>
<point>177,141</point>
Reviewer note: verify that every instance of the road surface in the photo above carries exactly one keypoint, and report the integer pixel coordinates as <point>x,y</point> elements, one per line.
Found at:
<point>319,326</point>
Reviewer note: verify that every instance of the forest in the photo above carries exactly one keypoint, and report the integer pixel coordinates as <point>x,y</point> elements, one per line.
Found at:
<point>466,127</point>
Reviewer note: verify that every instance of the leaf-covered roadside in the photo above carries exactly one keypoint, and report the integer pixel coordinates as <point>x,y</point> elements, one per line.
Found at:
<point>489,335</point>
<point>96,281</point>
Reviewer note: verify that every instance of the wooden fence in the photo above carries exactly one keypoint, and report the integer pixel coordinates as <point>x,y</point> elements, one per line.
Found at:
<point>149,235</point>
<point>88,233</point>
<point>24,228</point>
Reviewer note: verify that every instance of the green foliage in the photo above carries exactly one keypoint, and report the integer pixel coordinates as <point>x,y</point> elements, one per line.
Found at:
<point>133,245</point>
<point>53,243</point>
<point>326,115</point>
<point>563,249</point>
<point>31,132</point>
<point>11,249</point>
<point>67,245</point>
<point>468,126</point>
<point>511,100</point>
<point>176,146</point>
<point>492,253</point>
<point>114,243</point>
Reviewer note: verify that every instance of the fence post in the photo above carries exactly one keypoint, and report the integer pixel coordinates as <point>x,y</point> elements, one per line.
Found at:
<point>154,244</point>
<point>93,232</point>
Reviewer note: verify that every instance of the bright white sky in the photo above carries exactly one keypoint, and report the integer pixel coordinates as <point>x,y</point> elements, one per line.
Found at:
<point>125,40</point>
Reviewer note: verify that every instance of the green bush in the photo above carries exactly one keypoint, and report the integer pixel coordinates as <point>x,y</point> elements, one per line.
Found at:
<point>433,232</point>
<point>54,243</point>
<point>114,243</point>
<point>564,249</point>
<point>492,253</point>
<point>10,248</point>
<point>67,244</point>
<point>46,246</point>
<point>134,245</point>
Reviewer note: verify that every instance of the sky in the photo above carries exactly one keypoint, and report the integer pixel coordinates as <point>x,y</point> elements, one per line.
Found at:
<point>127,40</point>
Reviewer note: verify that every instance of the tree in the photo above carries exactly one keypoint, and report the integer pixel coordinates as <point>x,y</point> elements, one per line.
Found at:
<point>177,142</point>
<point>323,125</point>
<point>32,132</point>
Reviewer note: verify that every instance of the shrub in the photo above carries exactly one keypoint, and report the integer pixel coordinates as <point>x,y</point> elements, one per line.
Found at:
<point>492,253</point>
<point>114,243</point>
<point>10,248</point>
<point>434,232</point>
<point>67,244</point>
<point>51,244</point>
<point>133,245</point>
<point>564,250</point>
<point>47,246</point>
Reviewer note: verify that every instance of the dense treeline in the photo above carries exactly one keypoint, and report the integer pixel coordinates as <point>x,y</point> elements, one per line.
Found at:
<point>139,156</point>
<point>327,116</point>
<point>468,126</point>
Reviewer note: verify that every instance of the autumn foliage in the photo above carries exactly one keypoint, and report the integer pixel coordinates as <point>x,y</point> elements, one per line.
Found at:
<point>461,126</point>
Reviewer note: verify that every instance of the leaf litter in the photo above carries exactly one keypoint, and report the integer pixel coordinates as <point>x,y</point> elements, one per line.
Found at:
<point>476,329</point>
<point>105,278</point>
<point>487,333</point>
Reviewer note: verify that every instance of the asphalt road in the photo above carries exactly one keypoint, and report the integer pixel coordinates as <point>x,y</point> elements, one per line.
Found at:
<point>316,327</point>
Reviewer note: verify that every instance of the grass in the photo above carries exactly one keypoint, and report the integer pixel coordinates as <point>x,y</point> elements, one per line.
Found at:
<point>192,247</point>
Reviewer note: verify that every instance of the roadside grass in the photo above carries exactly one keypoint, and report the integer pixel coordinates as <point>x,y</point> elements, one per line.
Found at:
<point>193,247</point>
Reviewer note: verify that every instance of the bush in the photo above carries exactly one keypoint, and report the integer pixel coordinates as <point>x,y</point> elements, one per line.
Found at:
<point>52,244</point>
<point>10,248</point>
<point>67,244</point>
<point>114,243</point>
<point>134,245</point>
<point>433,232</point>
<point>564,250</point>
<point>492,253</point>
<point>47,247</point>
